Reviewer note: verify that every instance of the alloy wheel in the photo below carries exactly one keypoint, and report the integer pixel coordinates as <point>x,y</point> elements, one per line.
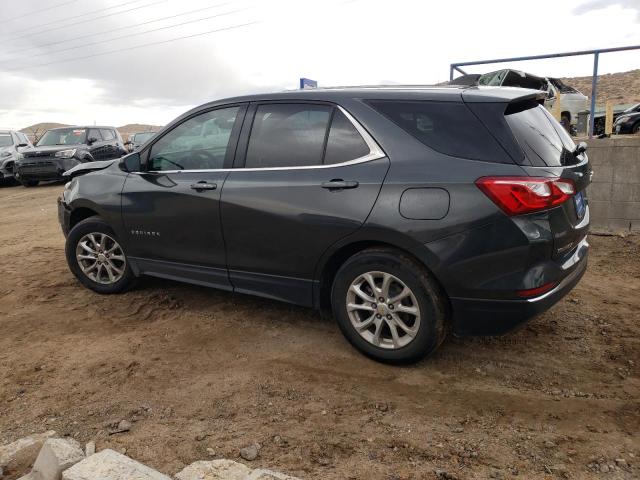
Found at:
<point>101,258</point>
<point>383,310</point>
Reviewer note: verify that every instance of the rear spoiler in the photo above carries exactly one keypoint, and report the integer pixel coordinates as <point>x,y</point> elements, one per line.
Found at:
<point>510,95</point>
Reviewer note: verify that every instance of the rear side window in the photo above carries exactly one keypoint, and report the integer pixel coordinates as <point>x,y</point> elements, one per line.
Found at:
<point>447,127</point>
<point>286,135</point>
<point>542,139</point>
<point>344,142</point>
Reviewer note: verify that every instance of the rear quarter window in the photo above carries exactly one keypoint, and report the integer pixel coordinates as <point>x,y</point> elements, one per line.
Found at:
<point>447,127</point>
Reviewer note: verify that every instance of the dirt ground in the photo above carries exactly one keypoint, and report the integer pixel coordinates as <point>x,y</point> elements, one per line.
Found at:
<point>202,373</point>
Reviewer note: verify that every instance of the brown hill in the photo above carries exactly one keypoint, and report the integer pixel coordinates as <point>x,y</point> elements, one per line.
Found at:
<point>131,128</point>
<point>620,88</point>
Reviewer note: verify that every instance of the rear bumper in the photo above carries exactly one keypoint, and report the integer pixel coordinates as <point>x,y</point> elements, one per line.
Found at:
<point>472,316</point>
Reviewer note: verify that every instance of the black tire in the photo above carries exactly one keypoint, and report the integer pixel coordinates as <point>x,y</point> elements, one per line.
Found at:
<point>432,302</point>
<point>635,128</point>
<point>565,121</point>
<point>30,183</point>
<point>99,226</point>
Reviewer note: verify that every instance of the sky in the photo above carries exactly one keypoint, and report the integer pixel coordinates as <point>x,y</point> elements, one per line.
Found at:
<point>115,62</point>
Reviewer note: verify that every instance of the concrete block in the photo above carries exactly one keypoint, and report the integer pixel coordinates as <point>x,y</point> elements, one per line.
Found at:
<point>619,225</point>
<point>625,192</point>
<point>599,213</point>
<point>20,455</point>
<point>603,173</point>
<point>626,171</point>
<point>214,470</point>
<point>111,465</point>
<point>261,474</point>
<point>56,455</point>
<point>599,191</point>
<point>625,210</point>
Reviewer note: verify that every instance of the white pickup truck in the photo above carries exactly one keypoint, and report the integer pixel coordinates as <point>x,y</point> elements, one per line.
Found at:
<point>571,100</point>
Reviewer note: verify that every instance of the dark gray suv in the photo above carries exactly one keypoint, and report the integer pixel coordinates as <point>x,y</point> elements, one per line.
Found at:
<point>409,212</point>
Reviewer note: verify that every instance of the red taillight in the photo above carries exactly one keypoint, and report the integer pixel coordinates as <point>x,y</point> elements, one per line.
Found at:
<point>533,292</point>
<point>518,195</point>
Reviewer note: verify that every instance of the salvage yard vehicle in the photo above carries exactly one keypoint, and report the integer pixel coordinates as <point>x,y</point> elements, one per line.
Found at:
<point>571,103</point>
<point>138,139</point>
<point>12,146</point>
<point>628,121</point>
<point>61,149</point>
<point>408,211</point>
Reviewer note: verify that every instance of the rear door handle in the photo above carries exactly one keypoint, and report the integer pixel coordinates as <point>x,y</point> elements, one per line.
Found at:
<point>339,184</point>
<point>204,186</point>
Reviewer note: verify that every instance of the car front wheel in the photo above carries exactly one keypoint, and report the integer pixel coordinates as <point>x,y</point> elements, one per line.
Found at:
<point>96,257</point>
<point>388,306</point>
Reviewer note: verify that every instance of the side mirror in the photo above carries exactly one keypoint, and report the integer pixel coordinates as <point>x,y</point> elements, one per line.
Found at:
<point>91,140</point>
<point>131,163</point>
<point>20,145</point>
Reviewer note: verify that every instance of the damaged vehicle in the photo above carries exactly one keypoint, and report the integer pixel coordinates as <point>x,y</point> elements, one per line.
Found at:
<point>12,146</point>
<point>408,212</point>
<point>628,121</point>
<point>61,149</point>
<point>572,102</point>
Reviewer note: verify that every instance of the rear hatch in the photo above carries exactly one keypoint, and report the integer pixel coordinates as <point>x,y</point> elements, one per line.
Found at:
<point>549,151</point>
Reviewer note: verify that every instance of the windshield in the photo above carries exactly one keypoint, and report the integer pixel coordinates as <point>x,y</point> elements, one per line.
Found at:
<point>5,140</point>
<point>541,138</point>
<point>63,136</point>
<point>143,137</point>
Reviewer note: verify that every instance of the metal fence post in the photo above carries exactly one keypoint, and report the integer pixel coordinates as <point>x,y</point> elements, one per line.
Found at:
<point>594,86</point>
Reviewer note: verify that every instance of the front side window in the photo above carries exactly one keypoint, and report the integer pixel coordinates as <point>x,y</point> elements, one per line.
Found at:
<point>287,135</point>
<point>107,134</point>
<point>199,143</point>
<point>94,135</point>
<point>63,136</point>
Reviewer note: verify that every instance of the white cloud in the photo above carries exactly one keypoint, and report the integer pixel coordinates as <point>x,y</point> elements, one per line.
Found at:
<point>337,42</point>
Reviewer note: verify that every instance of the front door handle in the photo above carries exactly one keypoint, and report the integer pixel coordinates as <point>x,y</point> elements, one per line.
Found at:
<point>204,186</point>
<point>339,184</point>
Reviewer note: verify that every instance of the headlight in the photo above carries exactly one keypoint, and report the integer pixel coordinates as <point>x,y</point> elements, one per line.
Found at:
<point>66,153</point>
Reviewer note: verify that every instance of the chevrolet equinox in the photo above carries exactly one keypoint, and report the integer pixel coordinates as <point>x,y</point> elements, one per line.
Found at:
<point>408,211</point>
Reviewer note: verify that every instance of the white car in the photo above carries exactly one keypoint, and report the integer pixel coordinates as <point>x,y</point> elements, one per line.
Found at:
<point>571,101</point>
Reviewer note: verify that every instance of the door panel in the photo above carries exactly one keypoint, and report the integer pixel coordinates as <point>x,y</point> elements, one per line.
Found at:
<point>277,223</point>
<point>167,220</point>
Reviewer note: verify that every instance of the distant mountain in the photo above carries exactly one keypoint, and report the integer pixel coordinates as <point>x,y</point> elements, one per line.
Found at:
<point>131,128</point>
<point>619,88</point>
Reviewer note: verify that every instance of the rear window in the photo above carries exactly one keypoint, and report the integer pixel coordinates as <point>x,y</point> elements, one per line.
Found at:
<point>542,139</point>
<point>447,127</point>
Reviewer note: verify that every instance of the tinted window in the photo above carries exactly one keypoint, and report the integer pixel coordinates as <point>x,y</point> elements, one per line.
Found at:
<point>107,134</point>
<point>448,127</point>
<point>286,135</point>
<point>344,142</point>
<point>541,138</point>
<point>199,143</point>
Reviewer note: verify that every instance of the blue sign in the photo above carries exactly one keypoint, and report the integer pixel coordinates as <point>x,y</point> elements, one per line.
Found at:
<point>307,83</point>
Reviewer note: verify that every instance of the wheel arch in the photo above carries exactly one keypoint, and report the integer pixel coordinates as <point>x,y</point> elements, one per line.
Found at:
<point>331,262</point>
<point>79,214</point>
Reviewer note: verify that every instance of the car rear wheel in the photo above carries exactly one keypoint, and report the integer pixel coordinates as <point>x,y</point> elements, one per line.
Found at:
<point>636,128</point>
<point>388,306</point>
<point>96,257</point>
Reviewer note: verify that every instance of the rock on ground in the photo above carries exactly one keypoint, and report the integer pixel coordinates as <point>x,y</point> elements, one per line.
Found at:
<point>56,455</point>
<point>20,455</point>
<point>227,470</point>
<point>111,465</point>
<point>214,470</point>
